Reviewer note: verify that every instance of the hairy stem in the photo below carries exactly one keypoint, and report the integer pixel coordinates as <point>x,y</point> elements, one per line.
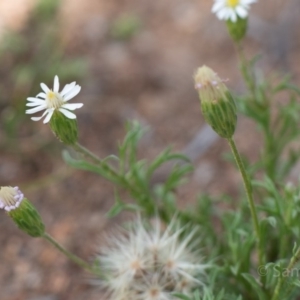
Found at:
<point>87,153</point>
<point>248,189</point>
<point>245,70</point>
<point>282,279</point>
<point>77,260</point>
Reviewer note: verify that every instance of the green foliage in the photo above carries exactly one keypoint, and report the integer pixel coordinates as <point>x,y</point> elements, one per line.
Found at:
<point>232,247</point>
<point>135,176</point>
<point>279,129</point>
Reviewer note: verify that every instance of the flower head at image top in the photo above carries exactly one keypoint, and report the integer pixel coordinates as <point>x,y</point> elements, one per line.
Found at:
<point>232,9</point>
<point>146,262</point>
<point>52,100</point>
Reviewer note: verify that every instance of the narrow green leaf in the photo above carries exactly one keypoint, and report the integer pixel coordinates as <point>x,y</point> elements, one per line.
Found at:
<point>86,166</point>
<point>256,287</point>
<point>164,157</point>
<point>181,296</point>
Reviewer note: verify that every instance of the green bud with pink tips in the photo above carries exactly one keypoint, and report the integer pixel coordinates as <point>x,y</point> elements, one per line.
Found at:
<point>217,104</point>
<point>21,210</point>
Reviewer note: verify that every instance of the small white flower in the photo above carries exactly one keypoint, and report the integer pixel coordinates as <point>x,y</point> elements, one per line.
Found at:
<point>51,100</point>
<point>231,9</point>
<point>146,262</point>
<point>10,197</point>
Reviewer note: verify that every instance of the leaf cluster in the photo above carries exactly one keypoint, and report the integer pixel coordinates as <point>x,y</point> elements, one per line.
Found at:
<point>127,172</point>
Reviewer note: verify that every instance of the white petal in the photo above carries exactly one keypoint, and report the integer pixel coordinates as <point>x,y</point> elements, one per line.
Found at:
<point>72,106</point>
<point>225,13</point>
<point>67,113</point>
<point>71,94</point>
<point>48,117</point>
<point>56,84</point>
<point>241,11</point>
<point>38,118</point>
<point>36,109</point>
<point>31,99</point>
<point>42,95</point>
<point>222,14</point>
<point>44,87</point>
<point>233,16</point>
<point>68,88</point>
<point>217,6</point>
<point>35,103</point>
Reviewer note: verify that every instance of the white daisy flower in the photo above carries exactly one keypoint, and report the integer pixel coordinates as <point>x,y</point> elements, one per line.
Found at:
<point>51,100</point>
<point>231,9</point>
<point>146,262</point>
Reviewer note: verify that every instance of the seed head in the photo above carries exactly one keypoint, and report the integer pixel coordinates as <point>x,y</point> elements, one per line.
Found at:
<point>146,262</point>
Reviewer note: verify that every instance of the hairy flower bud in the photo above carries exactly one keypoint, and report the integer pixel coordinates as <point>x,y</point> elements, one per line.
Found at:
<point>238,29</point>
<point>217,104</point>
<point>65,129</point>
<point>21,211</point>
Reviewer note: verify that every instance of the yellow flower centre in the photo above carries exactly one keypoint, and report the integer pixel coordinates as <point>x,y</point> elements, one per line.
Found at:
<point>233,3</point>
<point>7,194</point>
<point>54,100</point>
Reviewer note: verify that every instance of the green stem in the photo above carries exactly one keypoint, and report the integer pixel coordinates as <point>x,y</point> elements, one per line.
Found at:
<point>282,279</point>
<point>133,188</point>
<point>248,189</point>
<point>122,180</point>
<point>86,152</point>
<point>245,69</point>
<point>68,254</point>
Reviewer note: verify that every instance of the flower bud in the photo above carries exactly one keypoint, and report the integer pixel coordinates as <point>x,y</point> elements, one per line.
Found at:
<point>21,211</point>
<point>217,104</point>
<point>64,129</point>
<point>238,29</point>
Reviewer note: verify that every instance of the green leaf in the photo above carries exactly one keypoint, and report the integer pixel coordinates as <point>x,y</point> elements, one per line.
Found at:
<point>138,174</point>
<point>86,166</point>
<point>269,186</point>
<point>181,296</point>
<point>164,157</point>
<point>117,207</point>
<point>111,157</point>
<point>256,287</point>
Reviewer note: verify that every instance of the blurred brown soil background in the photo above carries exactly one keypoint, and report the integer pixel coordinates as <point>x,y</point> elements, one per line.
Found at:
<point>147,77</point>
